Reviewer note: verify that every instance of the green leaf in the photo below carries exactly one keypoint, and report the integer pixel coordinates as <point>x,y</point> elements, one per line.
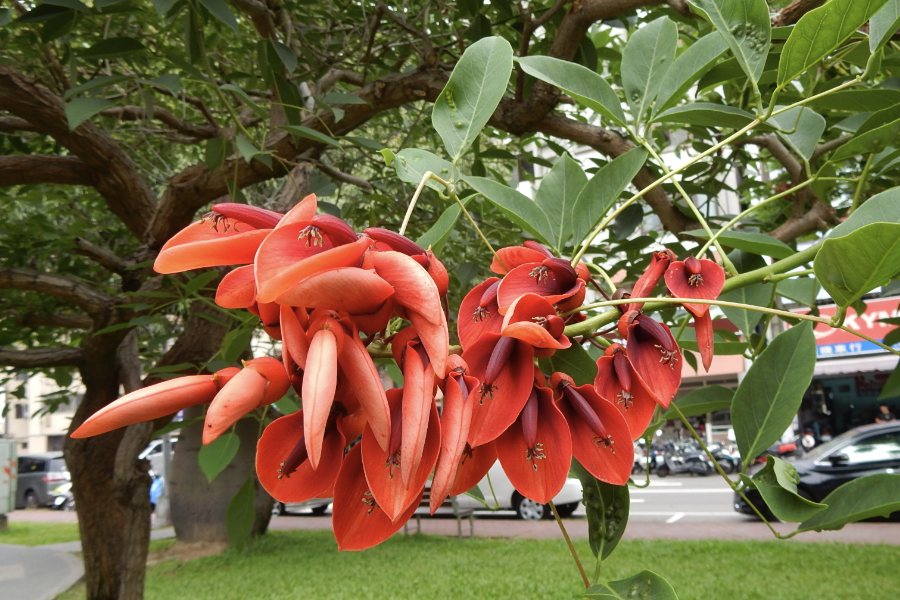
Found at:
<point>259,110</point>
<point>476,492</point>
<point>174,426</point>
<point>602,191</point>
<point>365,143</point>
<point>241,514</point>
<point>200,281</point>
<point>518,208</point>
<point>388,156</point>
<point>474,90</point>
<point>290,99</point>
<point>646,585</point>
<point>706,114</point>
<point>646,59</point>
<point>891,387</point>
<point>802,290</point>
<point>746,28</point>
<point>574,362</point>
<point>73,4</point>
<point>688,341</point>
<point>169,81</point>
<point>412,164</point>
<point>287,405</point>
<point>95,83</point>
<point>607,509</point>
<point>311,134</point>
<point>435,238</point>
<point>220,10</point>
<point>690,66</point>
<point>215,152</point>
<point>748,241</point>
<point>247,149</point>
<point>883,25</point>
<point>757,294</point>
<point>801,128</point>
<point>342,98</point>
<point>115,47</point>
<point>80,110</point>
<point>770,394</point>
<point>863,498</point>
<point>858,101</point>
<point>851,265</point>
<point>777,484</point>
<point>556,197</point>
<point>820,31</point>
<point>285,55</point>
<point>880,208</point>
<point>218,454</point>
<point>585,86</point>
<point>874,140</point>
<point>163,6</point>
<point>701,401</point>
<point>235,343</point>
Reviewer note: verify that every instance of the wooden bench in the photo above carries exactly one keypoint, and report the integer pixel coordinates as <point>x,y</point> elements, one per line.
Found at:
<point>449,507</point>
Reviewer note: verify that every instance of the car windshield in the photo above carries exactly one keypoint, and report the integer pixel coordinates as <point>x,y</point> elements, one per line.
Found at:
<point>823,449</point>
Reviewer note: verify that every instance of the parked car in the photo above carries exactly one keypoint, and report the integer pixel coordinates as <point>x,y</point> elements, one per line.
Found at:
<point>508,498</point>
<point>39,476</point>
<point>318,506</point>
<point>154,453</point>
<point>856,453</point>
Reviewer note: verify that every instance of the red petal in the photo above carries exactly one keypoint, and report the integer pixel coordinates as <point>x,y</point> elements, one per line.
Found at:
<point>259,218</point>
<point>534,334</point>
<point>200,245</point>
<point>345,288</point>
<point>472,323</point>
<point>277,382</point>
<point>473,467</point>
<point>237,289</point>
<point>638,411</point>
<point>295,345</point>
<point>520,281</point>
<point>438,273</point>
<point>455,421</point>
<point>375,321</point>
<point>704,330</point>
<point>435,339</point>
<point>538,474</point>
<point>303,211</point>
<point>361,371</point>
<point>494,413</point>
<point>150,403</point>
<point>611,464</point>
<point>514,256</point>
<point>413,286</point>
<point>712,278</point>
<point>418,396</point>
<point>356,524</point>
<point>319,383</point>
<point>276,444</point>
<point>647,355</point>
<point>239,396</point>
<point>392,495</point>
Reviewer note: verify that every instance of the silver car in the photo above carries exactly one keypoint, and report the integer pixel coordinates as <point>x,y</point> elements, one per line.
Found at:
<point>39,476</point>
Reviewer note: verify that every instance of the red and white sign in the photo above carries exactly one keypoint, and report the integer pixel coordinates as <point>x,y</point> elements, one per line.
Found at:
<point>831,342</point>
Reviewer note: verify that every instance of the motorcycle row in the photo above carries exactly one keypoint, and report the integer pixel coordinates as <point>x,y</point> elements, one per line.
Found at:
<point>674,457</point>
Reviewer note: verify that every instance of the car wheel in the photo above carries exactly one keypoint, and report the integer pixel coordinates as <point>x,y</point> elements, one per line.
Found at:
<point>320,510</point>
<point>278,509</point>
<point>527,509</point>
<point>566,510</point>
<point>662,470</point>
<point>31,500</point>
<point>727,466</point>
<point>69,505</point>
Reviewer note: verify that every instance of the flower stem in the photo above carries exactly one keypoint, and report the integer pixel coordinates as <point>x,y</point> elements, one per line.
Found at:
<point>862,182</point>
<point>565,533</point>
<point>477,229</point>
<point>412,203</point>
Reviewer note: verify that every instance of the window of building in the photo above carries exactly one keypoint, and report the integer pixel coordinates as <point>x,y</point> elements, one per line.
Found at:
<point>21,411</point>
<point>55,443</point>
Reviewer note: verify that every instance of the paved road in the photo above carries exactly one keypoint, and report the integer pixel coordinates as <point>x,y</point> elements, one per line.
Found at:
<point>36,573</point>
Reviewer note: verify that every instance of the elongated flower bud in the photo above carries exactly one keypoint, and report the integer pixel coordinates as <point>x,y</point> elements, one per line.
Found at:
<point>251,215</point>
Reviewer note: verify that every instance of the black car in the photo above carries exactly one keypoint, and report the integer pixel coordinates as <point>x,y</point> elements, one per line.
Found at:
<point>856,453</point>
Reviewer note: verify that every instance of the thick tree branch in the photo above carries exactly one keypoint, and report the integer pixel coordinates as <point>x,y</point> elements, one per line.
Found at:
<point>66,320</point>
<point>66,288</point>
<point>103,257</point>
<point>334,76</point>
<point>137,113</point>
<point>262,18</point>
<point>344,177</point>
<point>28,169</point>
<point>127,195</point>
<point>41,357</point>
<point>791,13</point>
<point>820,216</point>
<point>829,146</point>
<point>780,152</point>
<point>15,124</point>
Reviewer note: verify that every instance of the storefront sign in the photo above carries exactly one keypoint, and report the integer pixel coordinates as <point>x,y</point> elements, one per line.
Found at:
<point>834,343</point>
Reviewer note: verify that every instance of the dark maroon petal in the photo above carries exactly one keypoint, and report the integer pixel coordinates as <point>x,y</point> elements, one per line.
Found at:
<point>251,215</point>
<point>397,242</point>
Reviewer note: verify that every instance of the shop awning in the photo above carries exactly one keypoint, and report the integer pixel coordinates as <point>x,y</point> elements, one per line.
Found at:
<point>860,364</point>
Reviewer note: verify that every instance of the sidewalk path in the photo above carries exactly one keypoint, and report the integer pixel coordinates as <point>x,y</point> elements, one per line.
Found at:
<point>36,573</point>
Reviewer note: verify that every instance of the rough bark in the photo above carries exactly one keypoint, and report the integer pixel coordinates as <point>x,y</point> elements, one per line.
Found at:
<point>41,357</point>
<point>65,170</point>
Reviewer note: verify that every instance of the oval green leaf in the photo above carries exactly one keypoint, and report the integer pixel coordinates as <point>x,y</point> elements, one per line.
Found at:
<point>602,191</point>
<point>863,498</point>
<point>646,585</point>
<point>215,456</point>
<point>474,90</point>
<point>80,110</point>
<point>312,134</point>
<point>706,114</point>
<point>880,208</point>
<point>518,208</point>
<point>851,265</point>
<point>701,401</point>
<point>412,164</point>
<point>820,31</point>
<point>435,238</point>
<point>556,196</point>
<point>647,57</point>
<point>241,514</point>
<point>585,86</point>
<point>757,294</point>
<point>690,66</point>
<point>769,396</point>
<point>748,241</point>
<point>607,509</point>
<point>746,28</point>
<point>883,25</point>
<point>575,362</point>
<point>777,484</point>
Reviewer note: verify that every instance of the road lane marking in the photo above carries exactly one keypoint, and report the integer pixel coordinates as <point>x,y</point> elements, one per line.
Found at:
<point>674,517</point>
<point>686,514</point>
<point>633,500</point>
<point>695,491</point>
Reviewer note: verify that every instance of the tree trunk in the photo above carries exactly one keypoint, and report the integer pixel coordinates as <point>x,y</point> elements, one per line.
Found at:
<point>198,507</point>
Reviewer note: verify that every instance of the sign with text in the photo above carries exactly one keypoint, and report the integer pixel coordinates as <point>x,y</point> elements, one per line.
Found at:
<point>834,343</point>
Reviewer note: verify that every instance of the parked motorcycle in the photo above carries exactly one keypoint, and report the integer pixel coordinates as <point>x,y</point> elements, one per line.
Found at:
<point>684,459</point>
<point>63,498</point>
<point>729,460</point>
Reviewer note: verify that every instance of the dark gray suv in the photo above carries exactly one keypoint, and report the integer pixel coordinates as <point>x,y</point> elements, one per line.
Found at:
<point>39,476</point>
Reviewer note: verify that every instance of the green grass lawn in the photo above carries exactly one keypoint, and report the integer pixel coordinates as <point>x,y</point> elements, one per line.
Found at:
<point>35,534</point>
<point>305,564</point>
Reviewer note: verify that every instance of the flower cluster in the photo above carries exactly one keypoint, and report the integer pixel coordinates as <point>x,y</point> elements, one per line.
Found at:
<point>327,293</point>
